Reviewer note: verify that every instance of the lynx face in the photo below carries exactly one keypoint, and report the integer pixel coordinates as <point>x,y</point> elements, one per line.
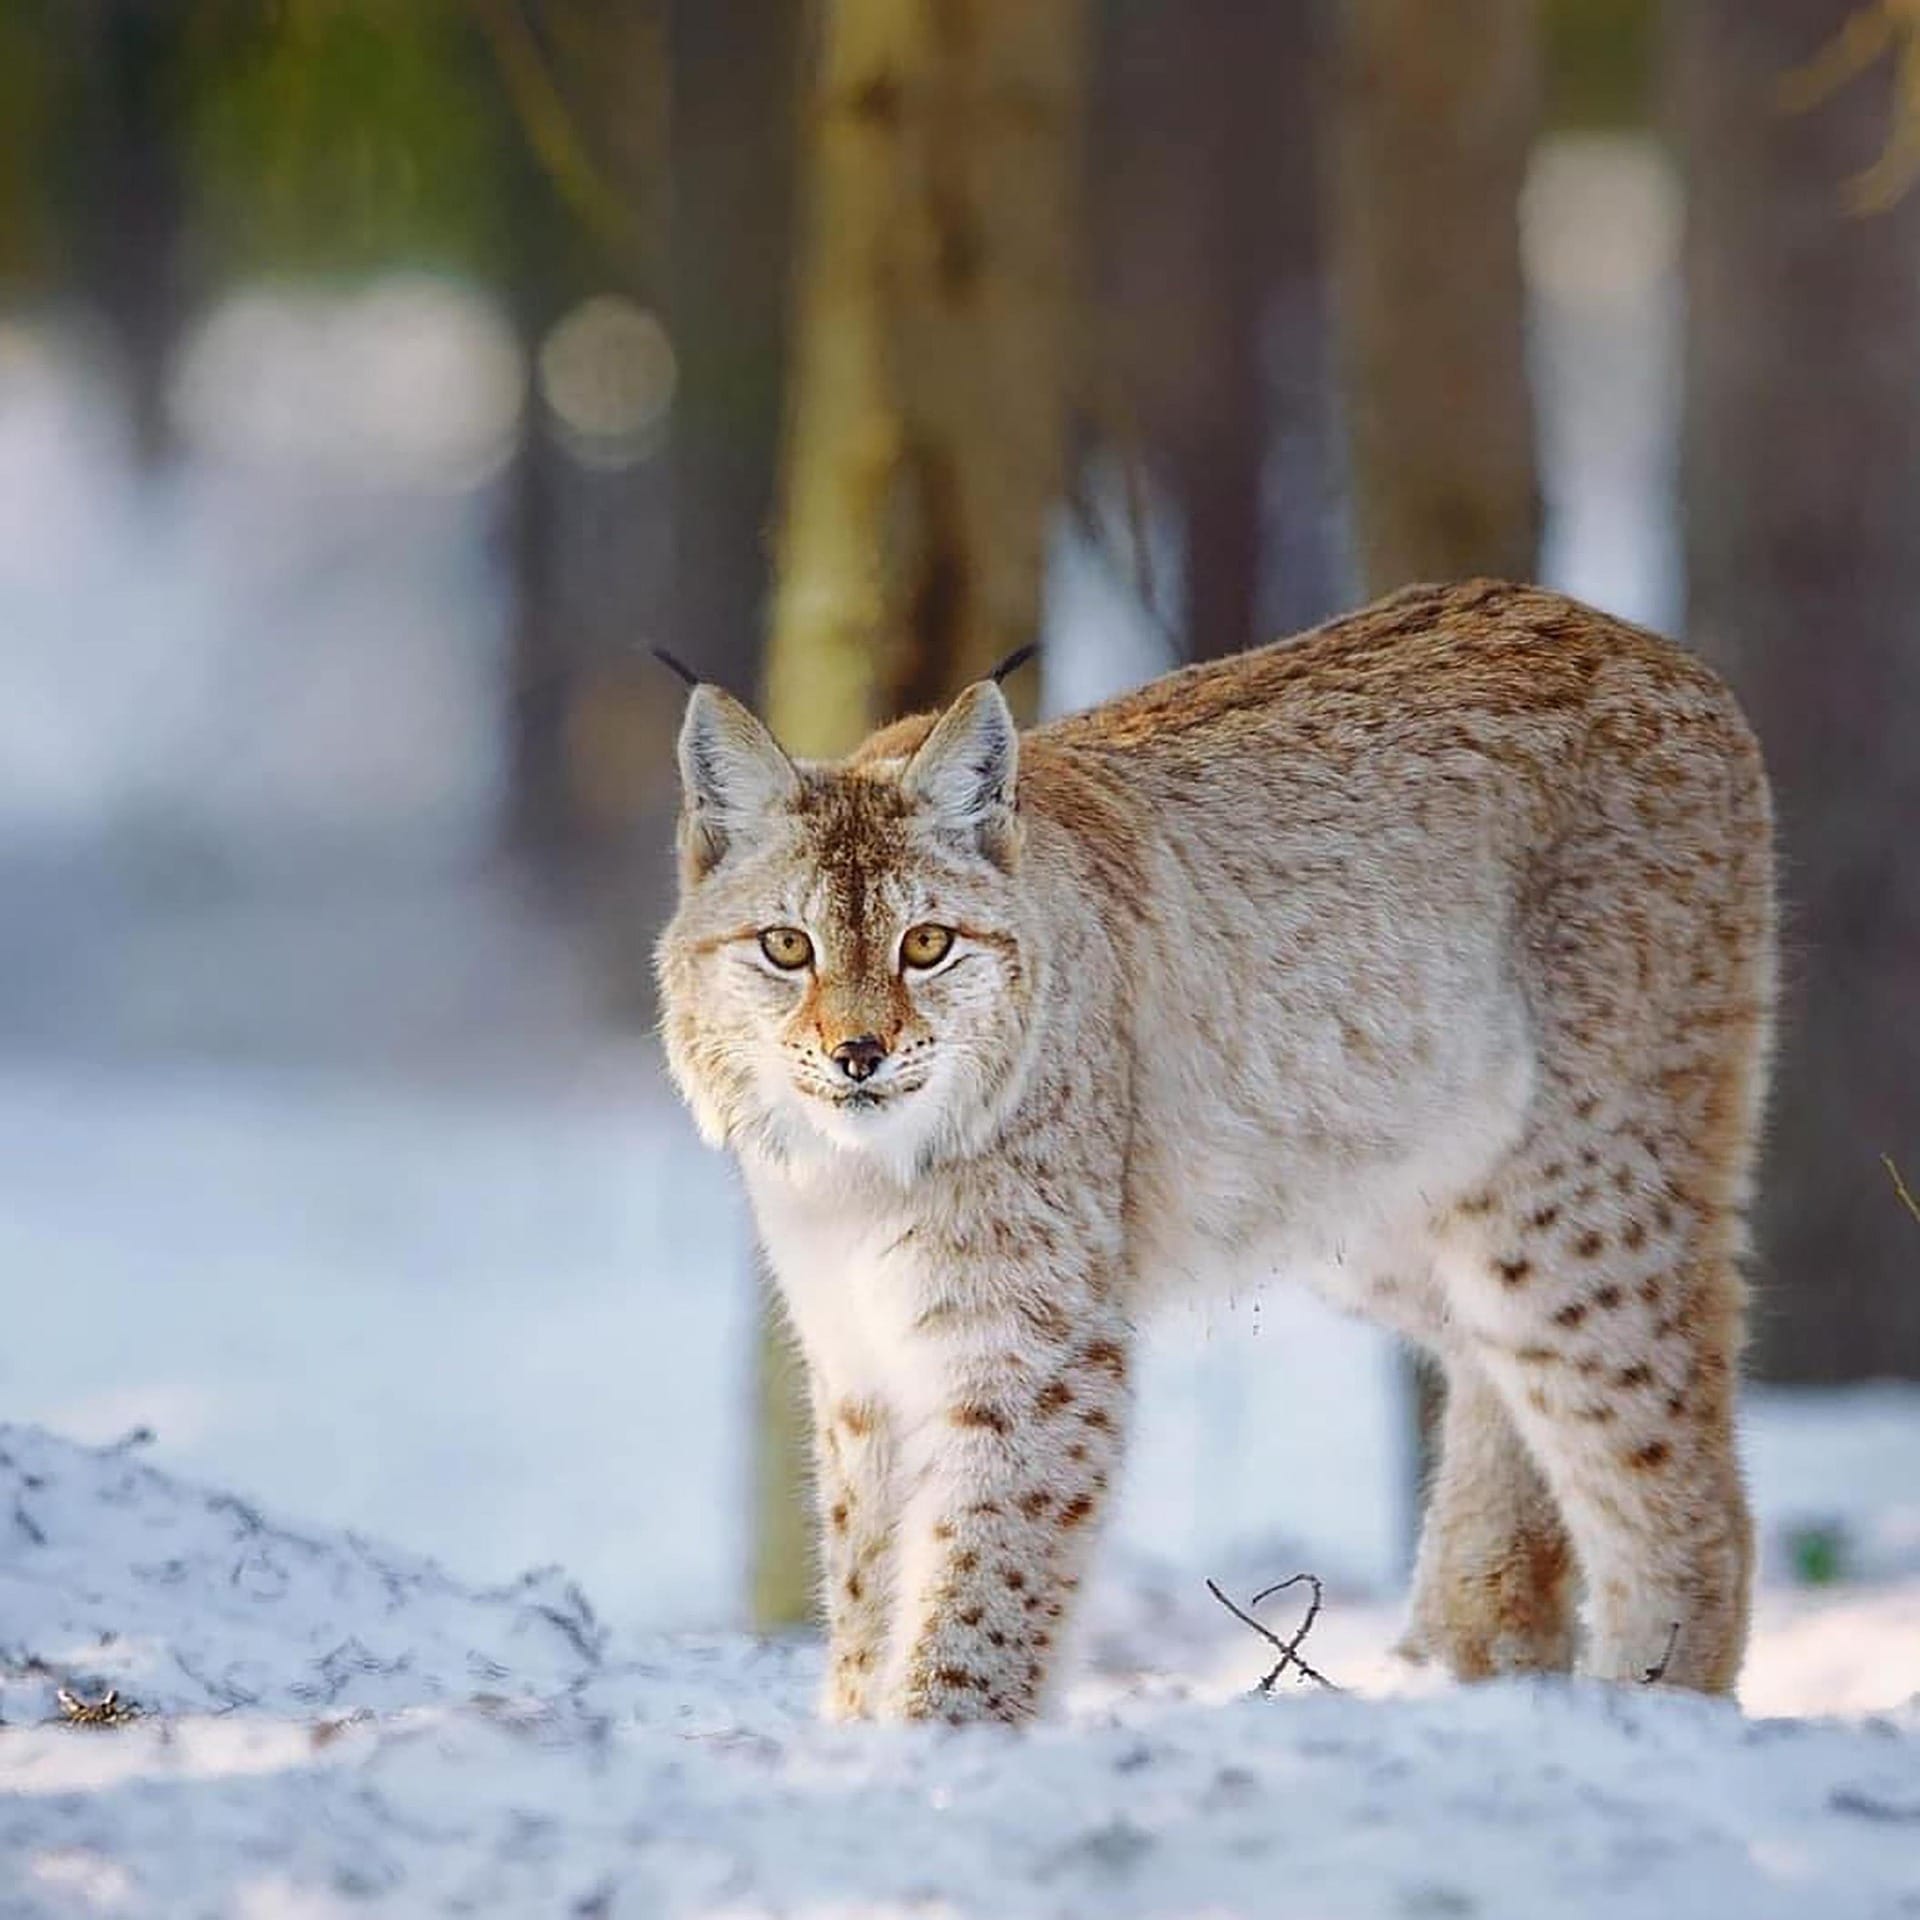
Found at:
<point>847,968</point>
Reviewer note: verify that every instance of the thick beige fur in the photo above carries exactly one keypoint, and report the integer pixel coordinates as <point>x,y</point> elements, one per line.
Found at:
<point>1428,957</point>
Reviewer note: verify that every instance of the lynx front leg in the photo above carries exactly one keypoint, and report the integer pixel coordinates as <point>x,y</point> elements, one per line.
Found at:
<point>1010,1474</point>
<point>853,1449</point>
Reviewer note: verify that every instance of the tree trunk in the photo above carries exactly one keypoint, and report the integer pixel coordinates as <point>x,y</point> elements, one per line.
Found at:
<point>541,820</point>
<point>583,103</point>
<point>1437,110</point>
<point>735,86</point>
<point>1249,93</point>
<point>133,260</point>
<point>926,428</point>
<point>1801,478</point>
<point>1209,313</point>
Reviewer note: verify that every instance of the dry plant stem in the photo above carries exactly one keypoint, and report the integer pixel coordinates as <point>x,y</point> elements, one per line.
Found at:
<point>1289,1649</point>
<point>552,133</point>
<point>1900,1187</point>
<point>1890,27</point>
<point>108,1711</point>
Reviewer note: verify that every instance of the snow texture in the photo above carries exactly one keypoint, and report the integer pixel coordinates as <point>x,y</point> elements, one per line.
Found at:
<point>332,1727</point>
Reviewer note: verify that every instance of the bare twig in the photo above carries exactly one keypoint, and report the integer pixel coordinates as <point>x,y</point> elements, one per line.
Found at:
<point>1861,40</point>
<point>1882,28</point>
<point>1900,1186</point>
<point>552,132</point>
<point>108,1711</point>
<point>1289,1649</point>
<point>1658,1671</point>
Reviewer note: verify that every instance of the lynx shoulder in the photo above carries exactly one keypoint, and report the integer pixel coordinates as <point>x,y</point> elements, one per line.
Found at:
<point>1427,958</point>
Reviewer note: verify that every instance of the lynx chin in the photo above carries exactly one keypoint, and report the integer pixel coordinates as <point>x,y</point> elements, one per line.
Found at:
<point>1428,958</point>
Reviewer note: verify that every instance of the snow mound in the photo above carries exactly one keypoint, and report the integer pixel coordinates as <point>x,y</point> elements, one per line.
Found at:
<point>695,1784</point>
<point>113,1574</point>
<point>333,1728</point>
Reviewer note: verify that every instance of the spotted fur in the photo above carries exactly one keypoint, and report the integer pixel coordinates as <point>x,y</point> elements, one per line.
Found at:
<point>1428,957</point>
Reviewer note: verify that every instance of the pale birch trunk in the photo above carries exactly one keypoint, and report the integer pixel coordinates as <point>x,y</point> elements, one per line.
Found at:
<point>928,403</point>
<point>925,432</point>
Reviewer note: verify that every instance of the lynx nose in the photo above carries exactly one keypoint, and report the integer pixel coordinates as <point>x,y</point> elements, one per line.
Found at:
<point>858,1057</point>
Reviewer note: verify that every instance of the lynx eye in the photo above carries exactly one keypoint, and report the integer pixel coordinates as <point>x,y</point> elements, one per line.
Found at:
<point>926,945</point>
<point>787,947</point>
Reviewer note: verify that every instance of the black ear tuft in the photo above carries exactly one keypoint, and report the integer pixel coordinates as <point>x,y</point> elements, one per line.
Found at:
<point>1014,661</point>
<point>674,666</point>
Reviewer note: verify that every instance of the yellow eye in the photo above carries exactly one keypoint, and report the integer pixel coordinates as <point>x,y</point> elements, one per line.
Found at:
<point>786,947</point>
<point>926,945</point>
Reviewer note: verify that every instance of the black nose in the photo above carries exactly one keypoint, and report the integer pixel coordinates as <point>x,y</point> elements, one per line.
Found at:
<point>857,1058</point>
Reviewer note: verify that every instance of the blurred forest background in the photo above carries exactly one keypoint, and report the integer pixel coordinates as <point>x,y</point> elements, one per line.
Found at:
<point>381,379</point>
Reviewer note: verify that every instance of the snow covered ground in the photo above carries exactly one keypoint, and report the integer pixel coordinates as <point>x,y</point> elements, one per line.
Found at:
<point>505,1320</point>
<point>331,1727</point>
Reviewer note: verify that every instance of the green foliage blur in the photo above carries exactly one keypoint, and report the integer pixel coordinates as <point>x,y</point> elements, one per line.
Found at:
<point>1599,57</point>
<point>328,137</point>
<point>1818,1553</point>
<point>320,139</point>
<point>29,112</point>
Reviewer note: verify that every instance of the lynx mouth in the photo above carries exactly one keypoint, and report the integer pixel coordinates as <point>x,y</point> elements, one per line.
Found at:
<point>868,1099</point>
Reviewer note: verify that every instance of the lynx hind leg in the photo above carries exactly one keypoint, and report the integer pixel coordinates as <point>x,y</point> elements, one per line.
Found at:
<point>1494,1587</point>
<point>1597,1274</point>
<point>1625,1397</point>
<point>1604,1301</point>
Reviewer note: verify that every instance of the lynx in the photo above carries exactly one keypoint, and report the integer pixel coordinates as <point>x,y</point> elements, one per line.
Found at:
<point>1427,957</point>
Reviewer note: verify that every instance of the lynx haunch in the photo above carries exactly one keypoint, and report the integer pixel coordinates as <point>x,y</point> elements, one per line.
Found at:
<point>1428,957</point>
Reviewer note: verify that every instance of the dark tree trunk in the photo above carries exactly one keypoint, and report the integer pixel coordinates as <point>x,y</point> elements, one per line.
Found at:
<point>587,518</point>
<point>736,87</point>
<point>1802,494</point>
<point>541,819</point>
<point>133,193</point>
<point>1210,320</point>
<point>1437,111</point>
<point>544,657</point>
<point>1248,94</point>
<point>735,97</point>
<point>1438,106</point>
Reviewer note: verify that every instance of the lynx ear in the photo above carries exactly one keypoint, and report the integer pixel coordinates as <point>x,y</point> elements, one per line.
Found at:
<point>732,773</point>
<point>965,770</point>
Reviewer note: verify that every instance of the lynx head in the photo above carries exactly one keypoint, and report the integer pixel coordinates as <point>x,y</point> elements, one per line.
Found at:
<point>849,966</point>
